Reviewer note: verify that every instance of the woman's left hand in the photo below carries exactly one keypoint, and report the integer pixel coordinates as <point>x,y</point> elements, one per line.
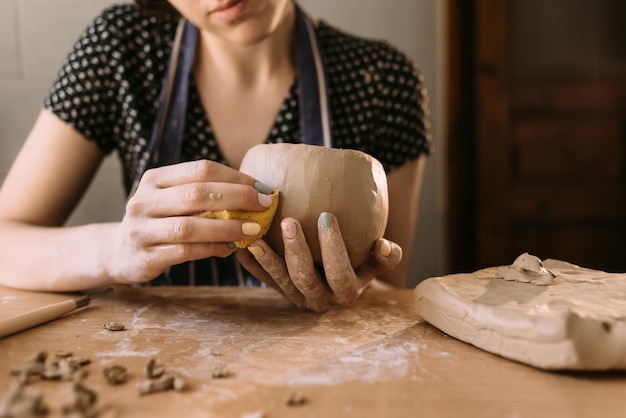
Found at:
<point>296,277</point>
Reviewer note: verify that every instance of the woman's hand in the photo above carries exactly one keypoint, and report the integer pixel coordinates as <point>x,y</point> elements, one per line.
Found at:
<point>296,277</point>
<point>157,230</point>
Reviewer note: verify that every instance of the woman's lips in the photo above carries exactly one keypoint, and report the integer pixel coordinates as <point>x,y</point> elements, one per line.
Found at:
<point>231,11</point>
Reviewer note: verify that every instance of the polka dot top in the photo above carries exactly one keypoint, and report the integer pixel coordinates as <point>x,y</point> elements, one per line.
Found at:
<point>108,89</point>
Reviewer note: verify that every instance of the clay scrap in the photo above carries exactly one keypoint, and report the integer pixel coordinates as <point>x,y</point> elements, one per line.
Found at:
<point>22,401</point>
<point>114,326</point>
<point>295,399</point>
<point>159,381</point>
<point>115,374</point>
<point>528,269</point>
<point>551,315</point>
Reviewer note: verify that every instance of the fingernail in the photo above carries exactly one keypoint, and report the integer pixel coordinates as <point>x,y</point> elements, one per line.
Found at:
<point>231,245</point>
<point>250,228</point>
<point>256,251</point>
<point>326,221</point>
<point>262,188</point>
<point>385,248</point>
<point>265,200</point>
<point>289,229</point>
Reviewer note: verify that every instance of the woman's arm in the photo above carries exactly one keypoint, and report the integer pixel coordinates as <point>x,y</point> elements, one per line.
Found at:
<point>46,182</point>
<point>404,190</point>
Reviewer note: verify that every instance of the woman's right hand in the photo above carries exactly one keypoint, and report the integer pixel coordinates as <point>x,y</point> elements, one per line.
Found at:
<point>158,231</point>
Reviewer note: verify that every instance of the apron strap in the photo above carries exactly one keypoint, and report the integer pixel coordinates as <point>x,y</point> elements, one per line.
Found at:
<point>167,133</point>
<point>312,87</point>
<point>170,122</point>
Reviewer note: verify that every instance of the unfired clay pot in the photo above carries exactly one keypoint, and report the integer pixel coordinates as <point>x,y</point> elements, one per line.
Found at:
<point>350,184</point>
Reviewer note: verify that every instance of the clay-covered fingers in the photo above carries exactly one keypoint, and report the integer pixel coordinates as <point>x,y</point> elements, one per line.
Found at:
<point>340,275</point>
<point>385,256</point>
<point>301,267</point>
<point>269,267</point>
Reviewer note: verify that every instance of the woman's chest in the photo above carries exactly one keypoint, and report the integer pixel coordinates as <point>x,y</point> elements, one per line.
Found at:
<point>223,128</point>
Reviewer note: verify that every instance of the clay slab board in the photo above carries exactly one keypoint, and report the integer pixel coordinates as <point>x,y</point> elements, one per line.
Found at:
<point>577,323</point>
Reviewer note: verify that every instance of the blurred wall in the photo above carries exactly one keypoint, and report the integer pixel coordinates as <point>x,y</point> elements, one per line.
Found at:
<point>35,36</point>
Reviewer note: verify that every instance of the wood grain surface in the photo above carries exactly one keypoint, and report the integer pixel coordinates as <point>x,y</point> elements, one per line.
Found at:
<point>374,359</point>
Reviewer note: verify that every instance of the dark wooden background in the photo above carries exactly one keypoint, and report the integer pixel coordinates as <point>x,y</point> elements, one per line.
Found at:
<point>537,132</point>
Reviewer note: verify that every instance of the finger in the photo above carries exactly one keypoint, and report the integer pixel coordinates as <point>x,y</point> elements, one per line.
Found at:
<point>191,198</point>
<point>172,254</point>
<point>273,265</point>
<point>247,261</point>
<point>271,269</point>
<point>192,229</point>
<point>194,172</point>
<point>158,258</point>
<point>339,272</point>
<point>302,269</point>
<point>385,256</point>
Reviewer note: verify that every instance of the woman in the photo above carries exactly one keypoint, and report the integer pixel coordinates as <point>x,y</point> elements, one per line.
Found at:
<point>241,91</point>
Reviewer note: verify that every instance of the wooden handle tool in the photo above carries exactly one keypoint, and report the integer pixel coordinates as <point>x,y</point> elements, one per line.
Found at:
<point>40,315</point>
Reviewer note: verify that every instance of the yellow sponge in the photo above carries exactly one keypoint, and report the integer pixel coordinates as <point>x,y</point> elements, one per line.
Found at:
<point>263,218</point>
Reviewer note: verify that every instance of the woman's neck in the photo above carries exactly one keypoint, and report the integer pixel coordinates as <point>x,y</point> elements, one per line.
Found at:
<point>253,63</point>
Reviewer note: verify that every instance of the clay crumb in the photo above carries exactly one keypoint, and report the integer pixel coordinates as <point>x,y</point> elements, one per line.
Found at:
<point>179,384</point>
<point>115,375</point>
<point>114,326</point>
<point>255,414</point>
<point>215,352</point>
<point>153,370</point>
<point>153,386</point>
<point>158,380</point>
<point>64,354</point>
<point>295,399</point>
<point>220,371</point>
<point>82,402</point>
<point>163,383</point>
<point>379,332</point>
<point>32,367</point>
<point>65,367</point>
<point>23,402</point>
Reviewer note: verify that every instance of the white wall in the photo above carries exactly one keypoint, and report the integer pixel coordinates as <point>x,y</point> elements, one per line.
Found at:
<point>35,36</point>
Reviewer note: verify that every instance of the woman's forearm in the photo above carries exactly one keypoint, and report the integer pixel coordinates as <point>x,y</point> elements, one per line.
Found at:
<point>54,258</point>
<point>404,191</point>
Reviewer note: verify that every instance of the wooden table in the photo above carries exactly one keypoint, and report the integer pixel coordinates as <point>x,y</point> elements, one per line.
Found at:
<point>375,359</point>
